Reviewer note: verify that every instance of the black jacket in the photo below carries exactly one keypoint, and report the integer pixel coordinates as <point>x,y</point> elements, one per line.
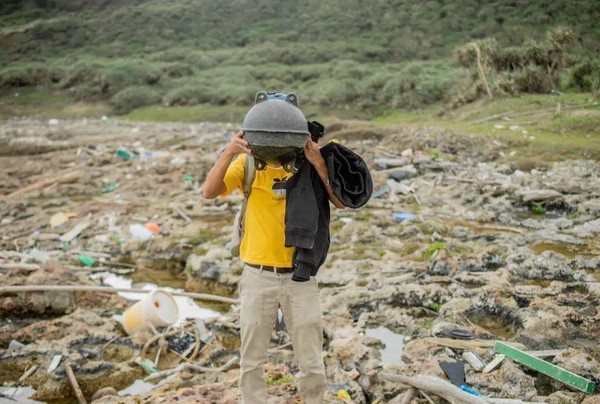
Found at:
<point>307,205</point>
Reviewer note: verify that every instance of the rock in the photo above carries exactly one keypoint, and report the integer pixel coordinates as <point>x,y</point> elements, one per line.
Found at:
<point>577,361</point>
<point>588,229</point>
<point>515,383</point>
<point>539,195</point>
<point>547,265</point>
<point>103,392</point>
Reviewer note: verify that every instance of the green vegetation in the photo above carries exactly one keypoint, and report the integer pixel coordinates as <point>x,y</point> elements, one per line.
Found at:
<point>437,246</point>
<point>280,380</point>
<point>370,56</point>
<point>538,209</point>
<point>435,306</point>
<point>203,236</point>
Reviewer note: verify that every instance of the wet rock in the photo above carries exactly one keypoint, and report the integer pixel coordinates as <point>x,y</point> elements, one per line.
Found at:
<point>103,392</point>
<point>515,383</point>
<point>578,361</point>
<point>538,195</point>
<point>588,229</point>
<point>561,397</point>
<point>547,265</point>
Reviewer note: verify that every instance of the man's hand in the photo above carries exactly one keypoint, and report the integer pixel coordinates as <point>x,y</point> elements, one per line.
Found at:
<point>312,153</point>
<point>314,156</point>
<point>238,145</point>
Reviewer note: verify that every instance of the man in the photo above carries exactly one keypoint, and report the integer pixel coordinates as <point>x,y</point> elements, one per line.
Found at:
<point>266,281</point>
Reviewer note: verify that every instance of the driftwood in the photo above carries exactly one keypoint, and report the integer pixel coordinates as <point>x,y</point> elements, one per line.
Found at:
<point>74,384</point>
<point>467,344</point>
<point>19,266</point>
<point>106,289</point>
<point>27,373</point>
<point>445,389</point>
<point>65,178</point>
<point>190,366</point>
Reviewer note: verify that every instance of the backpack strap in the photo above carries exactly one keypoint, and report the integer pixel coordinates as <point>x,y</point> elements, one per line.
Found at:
<point>249,174</point>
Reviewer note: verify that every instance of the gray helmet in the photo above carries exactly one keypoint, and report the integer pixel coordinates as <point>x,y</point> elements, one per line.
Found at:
<point>275,128</point>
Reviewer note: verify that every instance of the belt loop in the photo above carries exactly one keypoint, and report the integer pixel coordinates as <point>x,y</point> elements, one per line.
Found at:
<point>275,270</point>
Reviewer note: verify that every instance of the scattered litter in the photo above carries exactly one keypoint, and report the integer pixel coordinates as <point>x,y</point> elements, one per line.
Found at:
<point>205,335</point>
<point>160,154</point>
<point>471,390</point>
<point>102,238</point>
<point>178,161</point>
<point>498,126</point>
<point>39,256</point>
<point>473,360</point>
<point>188,178</point>
<point>111,186</point>
<point>153,227</point>
<point>455,371</point>
<point>343,394</point>
<point>494,363</point>
<point>58,219</point>
<point>398,188</point>
<point>401,217</point>
<point>54,363</point>
<point>380,192</point>
<point>14,345</point>
<point>53,121</point>
<point>449,352</point>
<point>86,260</point>
<point>346,219</point>
<point>456,333</point>
<point>74,232</point>
<point>125,154</point>
<point>139,232</point>
<point>146,364</point>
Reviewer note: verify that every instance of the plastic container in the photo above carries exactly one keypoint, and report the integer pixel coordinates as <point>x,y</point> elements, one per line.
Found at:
<point>157,309</point>
<point>139,232</point>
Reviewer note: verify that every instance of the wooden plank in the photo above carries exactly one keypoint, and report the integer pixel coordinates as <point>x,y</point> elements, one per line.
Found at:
<point>546,368</point>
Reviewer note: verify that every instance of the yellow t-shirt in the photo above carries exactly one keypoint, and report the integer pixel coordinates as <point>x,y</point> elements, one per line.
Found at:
<point>264,233</point>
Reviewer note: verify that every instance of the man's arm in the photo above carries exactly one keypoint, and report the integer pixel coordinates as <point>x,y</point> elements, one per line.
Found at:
<point>213,185</point>
<point>313,155</point>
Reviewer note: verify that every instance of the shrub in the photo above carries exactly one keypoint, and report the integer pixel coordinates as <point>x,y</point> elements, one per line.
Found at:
<point>134,97</point>
<point>31,74</point>
<point>585,75</point>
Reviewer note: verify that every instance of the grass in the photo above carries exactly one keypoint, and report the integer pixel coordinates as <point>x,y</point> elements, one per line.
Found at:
<point>534,140</point>
<point>196,113</point>
<point>42,104</point>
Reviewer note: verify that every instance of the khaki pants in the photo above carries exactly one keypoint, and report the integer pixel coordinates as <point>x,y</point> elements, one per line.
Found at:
<point>260,292</point>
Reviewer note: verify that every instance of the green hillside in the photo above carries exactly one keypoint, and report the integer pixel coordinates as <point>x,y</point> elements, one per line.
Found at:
<point>395,53</point>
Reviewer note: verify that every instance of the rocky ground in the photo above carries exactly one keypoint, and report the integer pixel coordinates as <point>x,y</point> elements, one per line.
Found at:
<point>451,240</point>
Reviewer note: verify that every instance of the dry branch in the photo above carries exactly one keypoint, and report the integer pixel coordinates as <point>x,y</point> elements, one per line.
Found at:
<point>74,384</point>
<point>106,289</point>
<point>65,178</point>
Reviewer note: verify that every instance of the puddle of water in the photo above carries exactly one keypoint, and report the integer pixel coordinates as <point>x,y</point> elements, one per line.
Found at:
<point>17,395</point>
<point>569,251</point>
<point>494,325</point>
<point>394,344</point>
<point>138,387</point>
<point>188,308</point>
<point>594,273</point>
<point>543,283</point>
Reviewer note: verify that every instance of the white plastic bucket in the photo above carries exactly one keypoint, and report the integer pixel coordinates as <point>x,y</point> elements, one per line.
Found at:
<point>157,309</point>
